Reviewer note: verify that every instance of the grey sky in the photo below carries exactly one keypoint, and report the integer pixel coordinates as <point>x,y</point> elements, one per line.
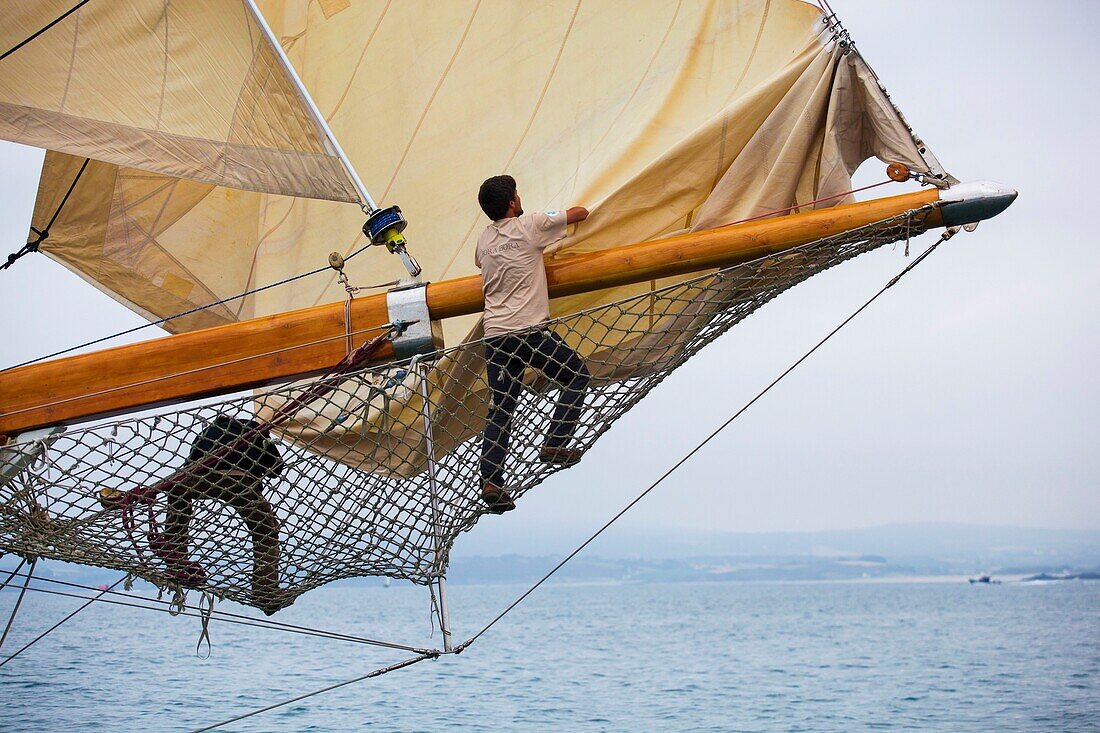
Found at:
<point>968,393</point>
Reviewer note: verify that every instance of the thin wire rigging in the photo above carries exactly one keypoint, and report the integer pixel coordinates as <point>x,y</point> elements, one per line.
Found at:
<point>462,647</point>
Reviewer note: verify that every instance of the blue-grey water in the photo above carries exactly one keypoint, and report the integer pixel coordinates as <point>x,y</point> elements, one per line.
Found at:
<point>660,657</point>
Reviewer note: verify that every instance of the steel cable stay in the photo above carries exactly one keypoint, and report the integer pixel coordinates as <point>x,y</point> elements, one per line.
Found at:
<point>165,606</point>
<point>13,573</point>
<point>57,625</point>
<point>197,309</point>
<point>369,675</point>
<point>466,644</point>
<point>19,600</point>
<point>43,29</point>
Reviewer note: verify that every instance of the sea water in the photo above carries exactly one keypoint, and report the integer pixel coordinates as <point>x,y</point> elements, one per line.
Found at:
<point>931,656</point>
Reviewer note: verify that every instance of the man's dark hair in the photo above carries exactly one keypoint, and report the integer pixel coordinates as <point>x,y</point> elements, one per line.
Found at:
<point>495,195</point>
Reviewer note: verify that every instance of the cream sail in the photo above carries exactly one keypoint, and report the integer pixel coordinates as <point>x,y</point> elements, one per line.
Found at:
<point>674,115</point>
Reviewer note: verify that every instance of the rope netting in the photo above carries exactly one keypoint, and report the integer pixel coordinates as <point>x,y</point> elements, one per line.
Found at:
<point>262,497</point>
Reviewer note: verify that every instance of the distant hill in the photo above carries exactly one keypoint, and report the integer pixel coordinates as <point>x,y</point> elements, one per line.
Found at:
<point>505,553</point>
<point>955,545</point>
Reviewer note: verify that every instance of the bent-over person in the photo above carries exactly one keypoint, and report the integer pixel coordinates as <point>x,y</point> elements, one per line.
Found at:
<point>237,479</point>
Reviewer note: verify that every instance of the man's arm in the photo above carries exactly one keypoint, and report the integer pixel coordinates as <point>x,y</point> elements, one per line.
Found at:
<point>575,214</point>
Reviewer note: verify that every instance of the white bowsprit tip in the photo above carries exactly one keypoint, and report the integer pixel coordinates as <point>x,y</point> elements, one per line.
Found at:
<point>969,203</point>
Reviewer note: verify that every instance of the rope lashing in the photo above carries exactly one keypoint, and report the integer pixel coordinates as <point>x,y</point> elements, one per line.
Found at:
<point>206,609</point>
<point>26,249</point>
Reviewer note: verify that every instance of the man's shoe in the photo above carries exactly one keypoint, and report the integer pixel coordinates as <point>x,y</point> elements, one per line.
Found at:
<point>498,499</point>
<point>560,456</point>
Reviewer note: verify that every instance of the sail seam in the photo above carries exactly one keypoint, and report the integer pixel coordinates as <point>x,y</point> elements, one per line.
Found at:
<point>45,28</point>
<point>355,71</point>
<point>530,120</point>
<point>416,130</point>
<point>755,47</point>
<point>431,99</point>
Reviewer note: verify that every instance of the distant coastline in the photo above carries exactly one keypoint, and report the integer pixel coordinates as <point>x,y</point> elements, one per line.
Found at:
<point>511,553</point>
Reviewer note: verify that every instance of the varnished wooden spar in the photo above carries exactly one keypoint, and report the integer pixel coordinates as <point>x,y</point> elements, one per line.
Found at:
<point>298,343</point>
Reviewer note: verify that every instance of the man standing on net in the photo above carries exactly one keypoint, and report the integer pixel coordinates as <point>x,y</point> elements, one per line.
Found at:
<point>517,306</point>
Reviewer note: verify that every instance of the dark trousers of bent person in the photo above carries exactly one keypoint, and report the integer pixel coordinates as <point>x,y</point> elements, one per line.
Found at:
<point>507,357</point>
<point>243,492</point>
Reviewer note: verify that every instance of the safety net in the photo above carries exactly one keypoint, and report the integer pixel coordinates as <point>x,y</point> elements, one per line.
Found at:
<point>210,496</point>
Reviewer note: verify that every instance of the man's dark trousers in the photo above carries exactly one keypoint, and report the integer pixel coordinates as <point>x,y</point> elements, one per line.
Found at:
<point>507,357</point>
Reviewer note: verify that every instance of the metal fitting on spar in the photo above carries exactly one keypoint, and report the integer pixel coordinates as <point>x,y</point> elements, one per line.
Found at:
<point>384,228</point>
<point>969,203</point>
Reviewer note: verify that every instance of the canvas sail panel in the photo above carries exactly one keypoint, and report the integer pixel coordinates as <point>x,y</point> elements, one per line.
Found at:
<point>144,239</point>
<point>672,115</point>
<point>190,90</point>
<point>577,100</point>
<point>752,110</point>
<point>796,138</point>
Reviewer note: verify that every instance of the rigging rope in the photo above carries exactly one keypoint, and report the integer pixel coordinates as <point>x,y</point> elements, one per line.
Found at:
<point>946,235</point>
<point>367,508</point>
<point>163,606</point>
<point>44,233</point>
<point>293,278</point>
<point>18,601</point>
<point>197,309</point>
<point>43,29</point>
<point>46,633</point>
<point>466,644</point>
<point>350,490</point>
<point>821,200</point>
<point>13,573</point>
<point>376,673</point>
